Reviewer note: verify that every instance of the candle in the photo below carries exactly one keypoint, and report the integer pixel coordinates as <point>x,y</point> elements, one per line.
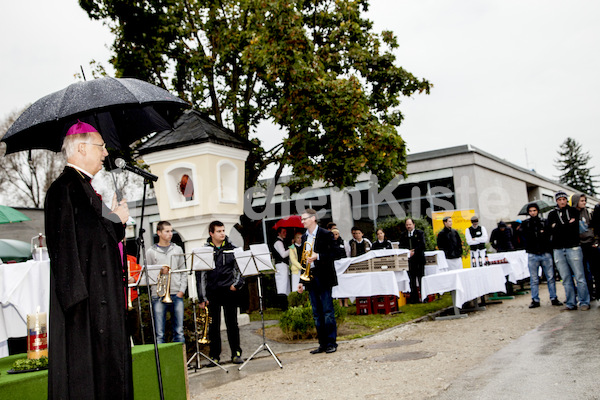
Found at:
<point>37,336</point>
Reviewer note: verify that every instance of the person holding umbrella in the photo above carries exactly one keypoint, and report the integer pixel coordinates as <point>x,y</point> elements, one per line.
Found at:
<point>89,348</point>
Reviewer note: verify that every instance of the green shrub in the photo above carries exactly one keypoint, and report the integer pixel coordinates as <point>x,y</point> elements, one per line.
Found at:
<point>298,322</point>
<point>296,299</point>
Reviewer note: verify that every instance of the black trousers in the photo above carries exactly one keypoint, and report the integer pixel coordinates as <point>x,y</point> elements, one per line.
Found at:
<point>591,262</point>
<point>416,271</point>
<point>228,301</point>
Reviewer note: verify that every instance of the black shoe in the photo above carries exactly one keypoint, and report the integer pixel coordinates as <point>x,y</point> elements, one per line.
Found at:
<point>556,302</point>
<point>330,349</point>
<point>317,350</point>
<point>534,304</point>
<point>567,308</point>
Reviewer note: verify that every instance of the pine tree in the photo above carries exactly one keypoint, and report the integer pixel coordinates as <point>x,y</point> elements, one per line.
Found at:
<point>572,164</point>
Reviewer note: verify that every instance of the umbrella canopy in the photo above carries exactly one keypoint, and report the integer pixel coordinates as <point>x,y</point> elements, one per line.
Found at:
<point>542,205</point>
<point>122,109</point>
<point>293,221</point>
<point>8,215</point>
<point>14,250</point>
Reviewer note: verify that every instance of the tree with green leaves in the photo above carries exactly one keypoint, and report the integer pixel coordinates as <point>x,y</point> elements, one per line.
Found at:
<point>315,69</point>
<point>572,163</point>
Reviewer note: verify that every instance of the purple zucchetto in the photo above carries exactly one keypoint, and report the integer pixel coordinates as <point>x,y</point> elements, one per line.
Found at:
<point>81,127</point>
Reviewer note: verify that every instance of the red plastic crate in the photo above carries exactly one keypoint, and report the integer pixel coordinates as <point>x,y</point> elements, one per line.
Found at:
<point>384,304</point>
<point>363,306</point>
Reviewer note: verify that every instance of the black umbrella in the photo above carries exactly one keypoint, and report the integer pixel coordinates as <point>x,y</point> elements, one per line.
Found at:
<point>122,109</point>
<point>542,205</point>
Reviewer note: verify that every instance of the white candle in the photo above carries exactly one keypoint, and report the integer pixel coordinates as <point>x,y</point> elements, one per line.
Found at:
<point>37,336</point>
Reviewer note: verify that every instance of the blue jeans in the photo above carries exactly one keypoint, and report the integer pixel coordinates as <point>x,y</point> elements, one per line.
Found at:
<point>323,313</point>
<point>545,261</point>
<point>160,316</point>
<point>570,263</point>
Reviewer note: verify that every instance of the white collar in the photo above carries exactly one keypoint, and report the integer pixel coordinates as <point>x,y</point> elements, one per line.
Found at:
<point>81,170</point>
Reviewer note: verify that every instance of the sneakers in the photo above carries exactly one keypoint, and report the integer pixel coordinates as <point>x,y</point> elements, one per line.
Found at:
<point>556,302</point>
<point>534,304</point>
<point>584,307</point>
<point>212,364</point>
<point>330,349</point>
<point>317,350</point>
<point>237,359</point>
<point>567,308</point>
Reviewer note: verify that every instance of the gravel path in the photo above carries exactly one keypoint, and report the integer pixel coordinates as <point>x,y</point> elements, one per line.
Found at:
<point>412,361</point>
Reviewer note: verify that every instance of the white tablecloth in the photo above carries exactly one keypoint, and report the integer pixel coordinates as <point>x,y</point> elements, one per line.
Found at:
<point>469,283</point>
<point>366,284</point>
<point>23,288</point>
<point>517,268</point>
<point>441,266</point>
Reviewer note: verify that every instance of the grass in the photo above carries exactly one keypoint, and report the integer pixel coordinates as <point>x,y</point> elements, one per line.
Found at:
<point>366,325</point>
<point>269,314</point>
<point>357,326</point>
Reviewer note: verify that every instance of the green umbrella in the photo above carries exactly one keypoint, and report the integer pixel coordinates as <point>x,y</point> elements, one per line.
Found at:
<point>8,215</point>
<point>14,250</point>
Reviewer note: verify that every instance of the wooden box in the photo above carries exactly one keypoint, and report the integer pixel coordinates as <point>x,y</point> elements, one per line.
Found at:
<point>361,266</point>
<point>431,260</point>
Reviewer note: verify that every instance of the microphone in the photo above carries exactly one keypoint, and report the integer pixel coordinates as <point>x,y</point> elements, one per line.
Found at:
<point>119,162</point>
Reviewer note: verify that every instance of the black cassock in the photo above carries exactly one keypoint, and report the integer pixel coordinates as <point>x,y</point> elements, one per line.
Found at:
<point>88,346</point>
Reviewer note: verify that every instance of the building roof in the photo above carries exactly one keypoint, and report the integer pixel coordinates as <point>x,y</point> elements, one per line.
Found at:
<point>191,128</point>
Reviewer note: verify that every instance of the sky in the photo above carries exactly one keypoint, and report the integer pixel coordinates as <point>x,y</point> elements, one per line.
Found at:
<point>513,78</point>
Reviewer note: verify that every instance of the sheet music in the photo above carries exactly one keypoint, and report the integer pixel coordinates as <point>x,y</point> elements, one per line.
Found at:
<point>152,273</point>
<point>262,256</point>
<point>245,262</point>
<point>203,259</point>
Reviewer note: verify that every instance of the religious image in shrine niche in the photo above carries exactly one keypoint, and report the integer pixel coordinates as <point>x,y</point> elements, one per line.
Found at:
<point>186,187</point>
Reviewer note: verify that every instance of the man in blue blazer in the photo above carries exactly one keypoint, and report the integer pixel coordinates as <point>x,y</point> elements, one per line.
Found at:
<point>322,279</point>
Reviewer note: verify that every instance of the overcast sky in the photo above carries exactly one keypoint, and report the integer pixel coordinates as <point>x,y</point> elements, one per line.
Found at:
<point>513,78</point>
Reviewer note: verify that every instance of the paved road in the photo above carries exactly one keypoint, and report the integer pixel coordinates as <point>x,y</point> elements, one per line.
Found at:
<point>558,360</point>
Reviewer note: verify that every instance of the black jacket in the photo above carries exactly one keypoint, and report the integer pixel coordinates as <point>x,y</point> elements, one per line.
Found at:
<point>225,274</point>
<point>564,227</point>
<point>502,240</point>
<point>386,244</point>
<point>416,243</point>
<point>537,235</point>
<point>450,242</point>
<point>323,269</point>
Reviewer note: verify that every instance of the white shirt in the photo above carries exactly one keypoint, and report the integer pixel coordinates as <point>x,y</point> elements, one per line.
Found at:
<point>280,249</point>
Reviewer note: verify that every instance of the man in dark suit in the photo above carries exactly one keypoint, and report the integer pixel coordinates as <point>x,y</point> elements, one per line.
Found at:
<point>323,279</point>
<point>89,348</point>
<point>414,240</point>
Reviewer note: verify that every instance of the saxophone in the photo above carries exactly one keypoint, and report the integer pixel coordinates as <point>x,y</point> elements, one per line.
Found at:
<point>203,321</point>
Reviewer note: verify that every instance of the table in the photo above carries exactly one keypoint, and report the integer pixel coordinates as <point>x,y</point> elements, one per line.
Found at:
<point>517,268</point>
<point>23,288</point>
<point>467,283</point>
<point>441,266</point>
<point>366,284</point>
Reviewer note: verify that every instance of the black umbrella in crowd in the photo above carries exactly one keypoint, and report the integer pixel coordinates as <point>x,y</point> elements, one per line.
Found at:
<point>542,205</point>
<point>122,109</point>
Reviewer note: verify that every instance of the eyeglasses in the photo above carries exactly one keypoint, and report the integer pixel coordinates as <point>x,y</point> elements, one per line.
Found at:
<point>103,145</point>
<point>305,218</point>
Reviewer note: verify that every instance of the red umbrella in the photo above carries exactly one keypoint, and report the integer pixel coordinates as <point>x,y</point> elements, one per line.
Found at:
<point>293,221</point>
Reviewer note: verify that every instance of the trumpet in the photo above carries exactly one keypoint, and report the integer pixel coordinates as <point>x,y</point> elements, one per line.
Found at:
<point>304,264</point>
<point>203,321</point>
<point>163,285</point>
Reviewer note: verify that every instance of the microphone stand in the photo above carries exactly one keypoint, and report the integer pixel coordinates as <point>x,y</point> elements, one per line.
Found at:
<point>142,251</point>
